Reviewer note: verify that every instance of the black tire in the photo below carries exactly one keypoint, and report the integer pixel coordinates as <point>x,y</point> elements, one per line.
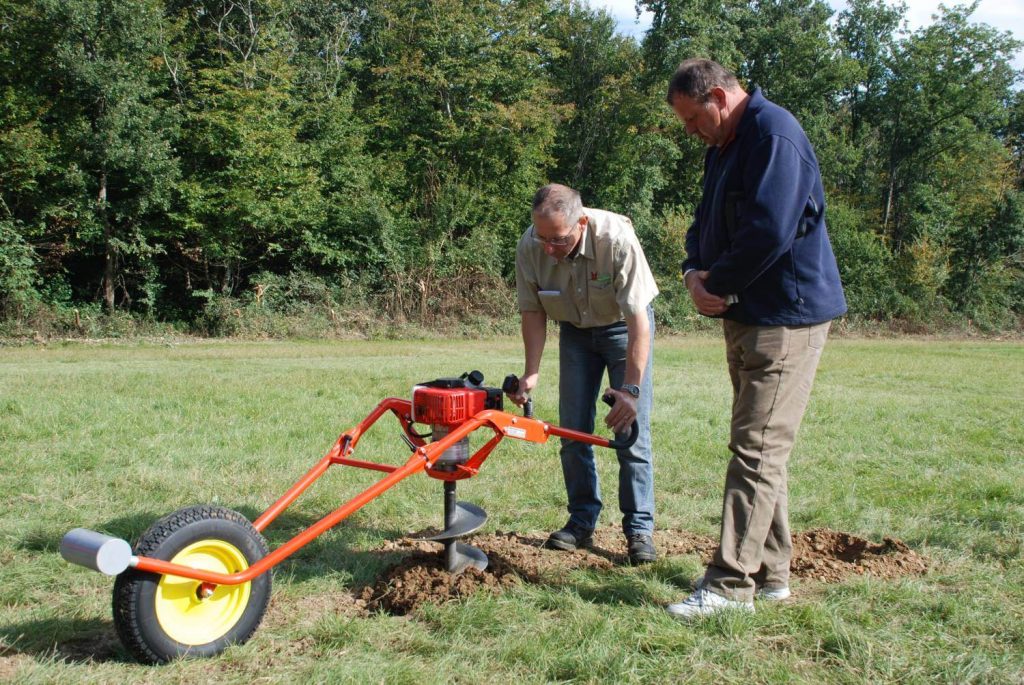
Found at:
<point>135,592</point>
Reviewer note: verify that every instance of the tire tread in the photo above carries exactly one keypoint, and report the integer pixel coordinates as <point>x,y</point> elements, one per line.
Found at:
<point>127,619</point>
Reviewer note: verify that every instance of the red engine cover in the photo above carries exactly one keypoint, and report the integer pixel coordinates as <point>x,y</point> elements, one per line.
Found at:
<point>446,406</point>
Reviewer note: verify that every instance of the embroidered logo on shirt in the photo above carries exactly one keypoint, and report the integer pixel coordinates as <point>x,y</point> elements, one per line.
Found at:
<point>601,280</point>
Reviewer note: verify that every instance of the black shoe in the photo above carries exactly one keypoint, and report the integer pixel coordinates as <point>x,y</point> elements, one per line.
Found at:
<point>641,548</point>
<point>570,538</point>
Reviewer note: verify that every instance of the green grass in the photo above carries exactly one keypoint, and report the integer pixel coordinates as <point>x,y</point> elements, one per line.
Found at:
<point>919,440</point>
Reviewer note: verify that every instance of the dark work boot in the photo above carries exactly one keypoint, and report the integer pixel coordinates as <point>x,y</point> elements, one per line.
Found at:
<point>641,548</point>
<point>570,538</point>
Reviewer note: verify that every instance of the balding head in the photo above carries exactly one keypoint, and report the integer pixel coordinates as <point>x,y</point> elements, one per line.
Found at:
<point>555,200</point>
<point>695,78</point>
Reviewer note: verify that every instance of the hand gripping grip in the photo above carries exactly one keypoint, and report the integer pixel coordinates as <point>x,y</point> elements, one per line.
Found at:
<point>510,387</point>
<point>634,430</point>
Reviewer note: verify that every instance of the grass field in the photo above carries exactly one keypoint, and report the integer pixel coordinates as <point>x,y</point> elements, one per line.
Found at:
<point>917,440</point>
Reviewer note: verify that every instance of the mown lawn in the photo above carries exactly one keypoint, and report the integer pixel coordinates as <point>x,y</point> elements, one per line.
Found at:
<point>917,440</point>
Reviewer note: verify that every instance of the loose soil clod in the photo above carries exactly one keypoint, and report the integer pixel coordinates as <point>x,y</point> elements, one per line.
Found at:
<point>818,555</point>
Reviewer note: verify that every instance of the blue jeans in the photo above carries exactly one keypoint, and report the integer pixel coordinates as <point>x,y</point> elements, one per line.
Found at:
<point>584,354</point>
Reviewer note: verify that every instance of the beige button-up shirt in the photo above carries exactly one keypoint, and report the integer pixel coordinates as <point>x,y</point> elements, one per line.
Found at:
<point>607,280</point>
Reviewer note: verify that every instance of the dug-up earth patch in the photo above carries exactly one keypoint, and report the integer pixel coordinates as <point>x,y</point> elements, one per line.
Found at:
<point>820,555</point>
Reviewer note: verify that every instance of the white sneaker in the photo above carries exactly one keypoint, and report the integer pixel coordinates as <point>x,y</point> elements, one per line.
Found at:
<point>705,603</point>
<point>774,594</point>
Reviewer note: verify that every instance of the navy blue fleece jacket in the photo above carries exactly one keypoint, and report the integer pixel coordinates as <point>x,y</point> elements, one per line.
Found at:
<point>760,227</point>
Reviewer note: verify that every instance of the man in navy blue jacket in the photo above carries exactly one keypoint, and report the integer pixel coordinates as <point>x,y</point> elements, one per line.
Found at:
<point>758,256</point>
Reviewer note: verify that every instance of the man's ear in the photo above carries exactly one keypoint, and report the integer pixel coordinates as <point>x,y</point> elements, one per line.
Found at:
<point>718,96</point>
<point>583,221</point>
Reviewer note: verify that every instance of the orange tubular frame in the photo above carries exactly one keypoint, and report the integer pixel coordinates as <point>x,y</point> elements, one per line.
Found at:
<point>423,458</point>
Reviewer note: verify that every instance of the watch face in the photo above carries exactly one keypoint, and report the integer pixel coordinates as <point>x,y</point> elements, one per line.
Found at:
<point>633,390</point>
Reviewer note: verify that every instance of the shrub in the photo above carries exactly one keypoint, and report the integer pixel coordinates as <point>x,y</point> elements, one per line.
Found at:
<point>865,265</point>
<point>18,294</point>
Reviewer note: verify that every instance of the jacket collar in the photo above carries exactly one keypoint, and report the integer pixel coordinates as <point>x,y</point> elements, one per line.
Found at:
<point>754,105</point>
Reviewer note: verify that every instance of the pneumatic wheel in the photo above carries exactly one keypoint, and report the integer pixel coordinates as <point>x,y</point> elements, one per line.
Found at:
<point>160,618</point>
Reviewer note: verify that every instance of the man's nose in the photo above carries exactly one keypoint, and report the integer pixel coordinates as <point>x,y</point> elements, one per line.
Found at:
<point>549,248</point>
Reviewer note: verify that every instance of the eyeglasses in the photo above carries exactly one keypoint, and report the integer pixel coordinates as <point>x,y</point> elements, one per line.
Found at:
<point>560,241</point>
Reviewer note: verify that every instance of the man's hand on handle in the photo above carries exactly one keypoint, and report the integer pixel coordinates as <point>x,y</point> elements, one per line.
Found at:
<point>623,412</point>
<point>526,385</point>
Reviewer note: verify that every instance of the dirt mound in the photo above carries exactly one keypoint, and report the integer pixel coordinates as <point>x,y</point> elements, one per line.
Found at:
<point>421,577</point>
<point>831,556</point>
<point>818,555</point>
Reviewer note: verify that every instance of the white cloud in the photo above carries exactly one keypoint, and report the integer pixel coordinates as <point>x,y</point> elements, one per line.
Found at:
<point>624,13</point>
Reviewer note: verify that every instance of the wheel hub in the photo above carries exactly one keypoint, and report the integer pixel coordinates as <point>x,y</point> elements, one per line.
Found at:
<point>195,613</point>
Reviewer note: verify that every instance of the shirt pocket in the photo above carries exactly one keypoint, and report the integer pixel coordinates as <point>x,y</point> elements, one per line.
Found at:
<point>557,307</point>
<point>603,304</point>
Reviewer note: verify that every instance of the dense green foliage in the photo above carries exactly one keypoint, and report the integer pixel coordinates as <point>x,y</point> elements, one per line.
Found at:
<point>178,160</point>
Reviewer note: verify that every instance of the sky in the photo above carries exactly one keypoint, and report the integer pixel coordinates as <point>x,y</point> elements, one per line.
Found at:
<point>1006,15</point>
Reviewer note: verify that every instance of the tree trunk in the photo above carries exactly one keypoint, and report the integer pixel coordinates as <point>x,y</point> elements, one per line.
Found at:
<point>888,200</point>
<point>109,257</point>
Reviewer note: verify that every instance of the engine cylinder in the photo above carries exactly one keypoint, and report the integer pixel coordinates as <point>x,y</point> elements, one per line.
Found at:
<point>456,454</point>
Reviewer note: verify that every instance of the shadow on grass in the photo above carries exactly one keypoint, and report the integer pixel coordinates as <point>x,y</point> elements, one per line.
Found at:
<point>127,527</point>
<point>321,558</point>
<point>39,541</point>
<point>677,573</point>
<point>627,586</point>
<point>74,641</point>
<point>614,589</point>
<point>334,552</point>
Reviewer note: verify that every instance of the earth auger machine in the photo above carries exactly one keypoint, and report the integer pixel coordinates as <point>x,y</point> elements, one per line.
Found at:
<point>199,579</point>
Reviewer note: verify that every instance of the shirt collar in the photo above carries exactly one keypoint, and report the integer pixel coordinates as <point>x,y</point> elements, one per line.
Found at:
<point>587,244</point>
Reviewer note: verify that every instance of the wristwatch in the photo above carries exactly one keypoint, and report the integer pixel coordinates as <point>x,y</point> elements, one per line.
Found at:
<point>633,390</point>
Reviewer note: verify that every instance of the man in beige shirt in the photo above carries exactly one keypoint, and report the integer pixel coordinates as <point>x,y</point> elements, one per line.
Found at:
<point>585,269</point>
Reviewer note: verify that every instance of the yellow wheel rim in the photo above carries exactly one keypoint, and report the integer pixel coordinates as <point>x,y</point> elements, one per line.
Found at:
<point>189,619</point>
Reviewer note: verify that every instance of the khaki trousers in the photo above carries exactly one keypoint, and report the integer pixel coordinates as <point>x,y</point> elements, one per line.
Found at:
<point>772,369</point>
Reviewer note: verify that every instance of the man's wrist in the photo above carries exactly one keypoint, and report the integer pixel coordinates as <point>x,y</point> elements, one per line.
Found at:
<point>630,389</point>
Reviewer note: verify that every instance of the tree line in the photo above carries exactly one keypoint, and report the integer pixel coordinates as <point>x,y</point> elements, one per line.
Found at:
<point>179,160</point>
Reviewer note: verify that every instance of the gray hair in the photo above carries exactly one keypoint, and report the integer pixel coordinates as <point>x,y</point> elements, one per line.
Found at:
<point>554,199</point>
<point>696,77</point>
